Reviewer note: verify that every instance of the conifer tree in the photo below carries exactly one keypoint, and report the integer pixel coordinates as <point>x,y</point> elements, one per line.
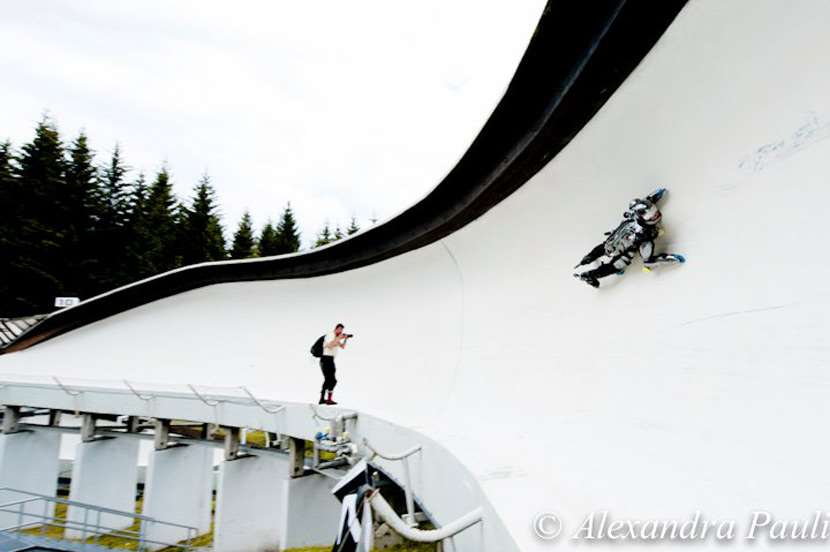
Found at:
<point>353,227</point>
<point>9,222</point>
<point>138,233</point>
<point>243,239</point>
<point>111,229</point>
<point>288,235</point>
<point>85,211</point>
<point>204,239</point>
<point>161,213</point>
<point>70,226</point>
<point>267,244</point>
<point>325,236</point>
<point>115,192</point>
<point>37,266</point>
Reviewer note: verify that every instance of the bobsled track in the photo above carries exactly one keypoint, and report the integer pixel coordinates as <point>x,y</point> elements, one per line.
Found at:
<point>700,387</point>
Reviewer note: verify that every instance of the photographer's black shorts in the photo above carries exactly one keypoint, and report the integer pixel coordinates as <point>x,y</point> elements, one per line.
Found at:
<point>328,368</point>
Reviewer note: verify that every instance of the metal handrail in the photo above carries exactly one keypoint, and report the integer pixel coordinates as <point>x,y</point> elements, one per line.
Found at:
<point>137,394</point>
<point>407,486</point>
<point>66,389</point>
<point>89,536</point>
<point>388,515</point>
<point>202,398</point>
<point>85,526</point>
<point>194,394</point>
<point>213,400</point>
<point>72,525</point>
<point>16,502</point>
<point>259,403</point>
<point>103,509</point>
<point>315,414</point>
<point>400,456</point>
<point>343,416</point>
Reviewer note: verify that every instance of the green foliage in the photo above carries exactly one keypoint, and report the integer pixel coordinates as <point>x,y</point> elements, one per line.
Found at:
<point>110,226</point>
<point>325,236</point>
<point>267,244</point>
<point>137,233</point>
<point>85,213</point>
<point>353,227</point>
<point>243,239</point>
<point>42,224</point>
<point>202,229</point>
<point>71,225</point>
<point>288,235</point>
<point>162,214</point>
<point>9,220</point>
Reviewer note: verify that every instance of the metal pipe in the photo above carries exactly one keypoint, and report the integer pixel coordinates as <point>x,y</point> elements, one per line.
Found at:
<point>388,515</point>
<point>407,487</point>
<point>346,416</point>
<point>65,388</point>
<point>136,393</point>
<point>260,404</point>
<point>98,527</point>
<point>83,530</point>
<point>201,398</point>
<point>399,456</point>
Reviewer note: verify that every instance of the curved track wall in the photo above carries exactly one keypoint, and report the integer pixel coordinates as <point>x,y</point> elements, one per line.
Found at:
<point>699,387</point>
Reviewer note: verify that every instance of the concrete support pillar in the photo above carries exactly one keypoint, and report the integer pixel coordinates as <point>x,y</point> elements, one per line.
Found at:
<point>29,461</point>
<point>104,473</point>
<point>296,456</point>
<point>310,512</point>
<point>178,489</point>
<point>248,503</point>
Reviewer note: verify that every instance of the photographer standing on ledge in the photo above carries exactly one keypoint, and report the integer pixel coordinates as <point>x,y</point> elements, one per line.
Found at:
<point>331,342</point>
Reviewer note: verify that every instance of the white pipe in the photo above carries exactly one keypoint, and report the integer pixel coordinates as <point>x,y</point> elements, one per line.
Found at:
<point>387,514</point>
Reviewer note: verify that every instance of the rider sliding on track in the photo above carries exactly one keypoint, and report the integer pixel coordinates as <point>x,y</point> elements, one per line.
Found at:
<point>636,233</point>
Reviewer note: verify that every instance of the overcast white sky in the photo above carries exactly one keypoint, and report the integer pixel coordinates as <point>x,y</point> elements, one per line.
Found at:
<point>343,108</point>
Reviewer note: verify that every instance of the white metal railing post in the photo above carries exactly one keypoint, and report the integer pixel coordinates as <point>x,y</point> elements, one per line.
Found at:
<point>84,526</point>
<point>409,518</point>
<point>98,528</point>
<point>45,517</point>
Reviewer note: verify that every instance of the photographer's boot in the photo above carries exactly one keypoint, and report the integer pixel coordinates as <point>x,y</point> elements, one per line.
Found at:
<point>330,400</point>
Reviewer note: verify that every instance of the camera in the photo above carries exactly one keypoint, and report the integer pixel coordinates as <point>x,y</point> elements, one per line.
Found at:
<point>349,335</point>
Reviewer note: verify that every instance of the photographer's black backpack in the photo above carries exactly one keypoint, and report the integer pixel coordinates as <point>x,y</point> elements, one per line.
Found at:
<point>317,348</point>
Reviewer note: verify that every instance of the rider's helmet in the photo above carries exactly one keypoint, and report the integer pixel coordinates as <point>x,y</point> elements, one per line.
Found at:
<point>645,211</point>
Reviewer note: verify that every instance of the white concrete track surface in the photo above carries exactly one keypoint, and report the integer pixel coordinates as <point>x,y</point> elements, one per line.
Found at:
<point>697,387</point>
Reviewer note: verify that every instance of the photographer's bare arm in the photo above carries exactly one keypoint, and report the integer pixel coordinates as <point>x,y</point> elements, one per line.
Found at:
<point>338,341</point>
